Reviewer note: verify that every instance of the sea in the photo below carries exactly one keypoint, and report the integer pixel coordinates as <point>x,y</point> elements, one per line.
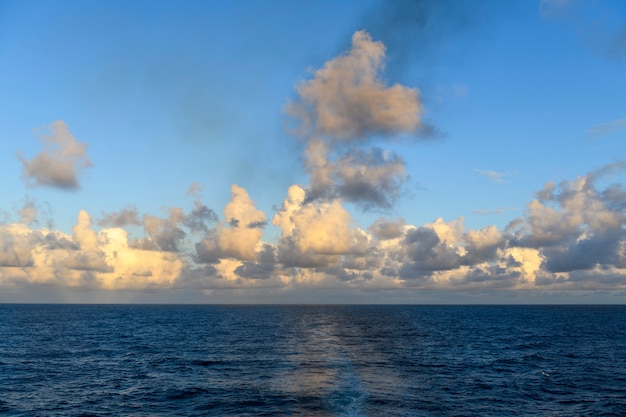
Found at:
<point>312,360</point>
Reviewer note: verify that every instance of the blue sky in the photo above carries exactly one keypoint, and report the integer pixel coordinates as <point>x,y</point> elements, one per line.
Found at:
<point>366,151</point>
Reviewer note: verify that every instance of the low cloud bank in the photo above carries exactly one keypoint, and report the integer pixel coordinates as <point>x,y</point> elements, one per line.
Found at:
<point>571,235</point>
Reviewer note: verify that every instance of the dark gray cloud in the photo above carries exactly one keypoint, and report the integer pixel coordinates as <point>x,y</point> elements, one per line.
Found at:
<point>197,277</point>
<point>199,219</point>
<point>493,277</point>
<point>263,269</point>
<point>583,253</point>
<point>207,251</point>
<point>370,178</point>
<point>347,275</point>
<point>257,225</point>
<point>254,270</point>
<point>575,225</point>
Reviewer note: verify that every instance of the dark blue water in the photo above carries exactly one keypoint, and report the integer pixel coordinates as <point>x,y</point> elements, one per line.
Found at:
<point>116,360</point>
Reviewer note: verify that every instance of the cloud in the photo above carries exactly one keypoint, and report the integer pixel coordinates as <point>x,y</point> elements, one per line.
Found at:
<point>571,236</point>
<point>195,189</point>
<point>574,225</point>
<point>86,258</point>
<point>239,236</point>
<point>494,211</point>
<point>33,212</point>
<point>608,127</point>
<point>200,218</point>
<point>346,100</point>
<point>125,217</point>
<point>313,233</point>
<point>492,175</point>
<point>262,269</point>
<point>60,162</point>
<point>343,108</point>
<point>383,229</point>
<point>167,233</point>
<point>15,243</point>
<point>568,229</point>
<point>28,213</point>
<point>373,178</point>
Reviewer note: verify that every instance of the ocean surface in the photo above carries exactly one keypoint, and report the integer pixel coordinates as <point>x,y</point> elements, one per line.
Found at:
<point>134,360</point>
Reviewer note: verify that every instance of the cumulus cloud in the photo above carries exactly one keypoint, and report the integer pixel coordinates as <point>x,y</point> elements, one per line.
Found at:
<point>165,233</point>
<point>86,258</point>
<point>574,225</point>
<point>60,162</point>
<point>345,106</point>
<point>239,235</point>
<point>15,243</point>
<point>383,229</point>
<point>347,100</point>
<point>169,233</point>
<point>313,233</point>
<point>571,236</point>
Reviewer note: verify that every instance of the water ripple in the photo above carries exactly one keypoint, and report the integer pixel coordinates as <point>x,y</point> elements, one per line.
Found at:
<point>79,360</point>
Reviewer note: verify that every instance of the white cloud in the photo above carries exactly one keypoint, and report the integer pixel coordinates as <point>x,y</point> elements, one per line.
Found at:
<point>86,258</point>
<point>240,234</point>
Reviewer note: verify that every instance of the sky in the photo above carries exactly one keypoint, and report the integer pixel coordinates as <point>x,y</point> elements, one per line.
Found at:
<point>365,151</point>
